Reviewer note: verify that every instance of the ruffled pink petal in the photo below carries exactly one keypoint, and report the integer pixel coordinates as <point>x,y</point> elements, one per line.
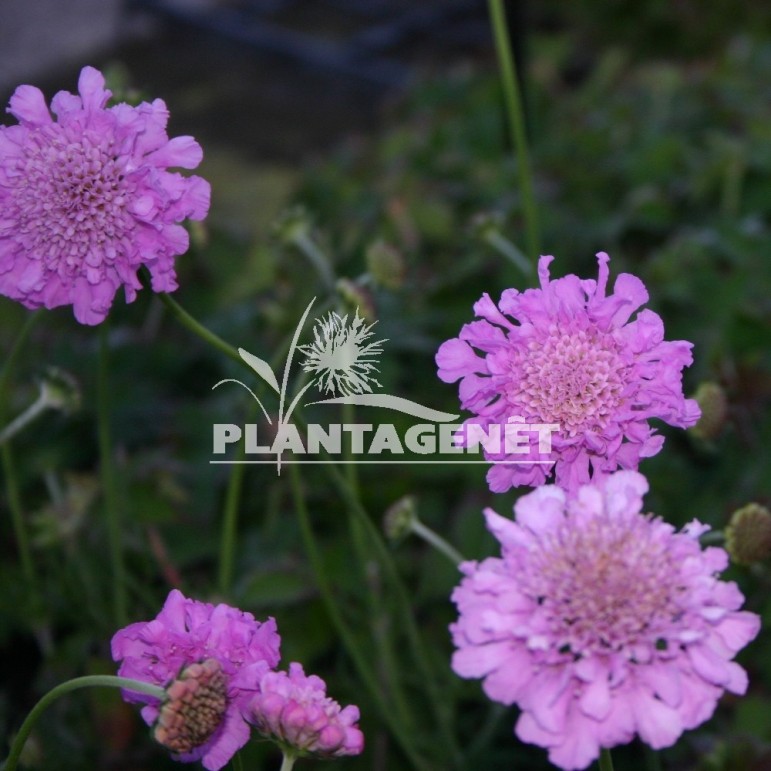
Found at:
<point>657,723</point>
<point>91,89</point>
<point>28,106</point>
<point>181,152</point>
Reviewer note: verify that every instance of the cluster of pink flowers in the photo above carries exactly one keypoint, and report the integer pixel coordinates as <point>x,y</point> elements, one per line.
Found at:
<point>87,199</point>
<point>600,622</point>
<point>217,665</point>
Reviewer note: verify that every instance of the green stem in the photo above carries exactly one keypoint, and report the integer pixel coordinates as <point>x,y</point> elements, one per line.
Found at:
<point>434,539</point>
<point>71,685</point>
<point>9,470</point>
<point>516,120</point>
<point>509,250</point>
<point>35,409</point>
<point>317,258</point>
<point>199,329</point>
<point>606,762</point>
<point>343,630</point>
<point>403,603</point>
<point>652,759</point>
<point>287,764</point>
<point>713,536</point>
<point>111,499</point>
<point>378,619</point>
<point>352,477</point>
<point>230,520</point>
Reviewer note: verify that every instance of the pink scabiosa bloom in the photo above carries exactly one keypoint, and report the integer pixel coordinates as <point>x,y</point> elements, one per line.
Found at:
<point>573,361</point>
<point>87,199</point>
<point>293,709</point>
<point>600,622</point>
<point>201,653</point>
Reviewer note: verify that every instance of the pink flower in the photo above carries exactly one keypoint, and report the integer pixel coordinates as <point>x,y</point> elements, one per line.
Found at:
<point>600,622</point>
<point>573,361</point>
<point>189,632</point>
<point>86,199</point>
<point>294,710</point>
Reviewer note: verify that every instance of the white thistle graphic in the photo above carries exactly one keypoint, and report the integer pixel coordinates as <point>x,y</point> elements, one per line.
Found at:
<point>340,357</point>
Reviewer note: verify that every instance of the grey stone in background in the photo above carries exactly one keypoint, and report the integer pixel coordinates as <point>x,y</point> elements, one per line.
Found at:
<point>37,37</point>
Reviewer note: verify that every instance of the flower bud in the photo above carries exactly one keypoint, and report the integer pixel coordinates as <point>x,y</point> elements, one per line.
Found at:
<point>400,518</point>
<point>293,710</point>
<point>486,224</point>
<point>712,400</point>
<point>386,264</point>
<point>356,298</point>
<point>194,708</point>
<point>60,390</point>
<point>748,535</point>
<point>293,224</point>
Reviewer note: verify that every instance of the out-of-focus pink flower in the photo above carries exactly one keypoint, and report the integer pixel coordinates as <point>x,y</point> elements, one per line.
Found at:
<point>188,632</point>
<point>87,199</point>
<point>294,710</point>
<point>573,360</point>
<point>600,622</point>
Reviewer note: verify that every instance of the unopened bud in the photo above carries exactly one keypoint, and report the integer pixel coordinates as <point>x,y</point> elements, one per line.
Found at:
<point>194,708</point>
<point>712,400</point>
<point>486,224</point>
<point>356,298</point>
<point>748,535</point>
<point>199,234</point>
<point>400,517</point>
<point>386,264</point>
<point>59,390</point>
<point>293,224</point>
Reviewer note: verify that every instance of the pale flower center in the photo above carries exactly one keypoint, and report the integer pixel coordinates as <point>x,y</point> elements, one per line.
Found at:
<point>70,201</point>
<point>604,587</point>
<point>573,378</point>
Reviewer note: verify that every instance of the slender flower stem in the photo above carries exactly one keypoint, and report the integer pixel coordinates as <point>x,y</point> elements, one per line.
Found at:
<point>111,501</point>
<point>370,569</point>
<point>89,681</point>
<point>9,470</point>
<point>199,329</point>
<point>343,630</point>
<point>39,406</point>
<point>433,538</point>
<point>652,759</point>
<point>509,250</point>
<point>606,762</point>
<point>352,477</point>
<point>287,764</point>
<point>230,520</point>
<point>403,603</point>
<point>317,258</point>
<point>516,119</point>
